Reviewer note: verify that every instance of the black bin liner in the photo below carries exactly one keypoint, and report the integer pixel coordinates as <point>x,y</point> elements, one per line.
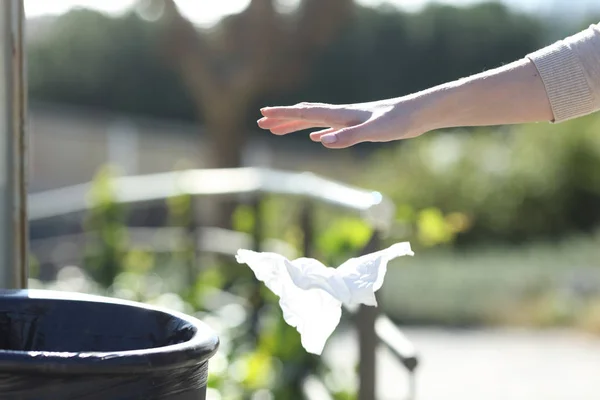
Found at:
<point>63,346</point>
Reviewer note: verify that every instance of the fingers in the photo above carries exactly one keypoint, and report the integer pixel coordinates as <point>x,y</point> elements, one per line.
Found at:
<point>268,123</point>
<point>333,138</point>
<point>293,126</point>
<point>316,112</point>
<point>337,138</point>
<point>284,126</point>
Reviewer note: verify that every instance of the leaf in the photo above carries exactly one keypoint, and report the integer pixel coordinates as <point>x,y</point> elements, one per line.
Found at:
<point>433,228</point>
<point>243,219</point>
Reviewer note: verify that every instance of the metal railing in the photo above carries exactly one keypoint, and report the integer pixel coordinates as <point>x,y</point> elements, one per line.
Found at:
<point>373,328</point>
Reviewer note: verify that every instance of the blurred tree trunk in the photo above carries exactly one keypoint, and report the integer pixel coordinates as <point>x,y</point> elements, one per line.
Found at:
<point>247,55</point>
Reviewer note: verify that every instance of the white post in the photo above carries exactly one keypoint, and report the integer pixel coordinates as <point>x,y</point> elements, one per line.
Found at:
<point>123,146</point>
<point>13,185</point>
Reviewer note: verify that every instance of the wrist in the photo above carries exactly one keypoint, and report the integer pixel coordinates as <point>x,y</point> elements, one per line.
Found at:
<point>430,110</point>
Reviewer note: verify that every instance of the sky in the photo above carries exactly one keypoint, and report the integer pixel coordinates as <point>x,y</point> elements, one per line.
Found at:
<point>199,11</point>
<point>207,12</point>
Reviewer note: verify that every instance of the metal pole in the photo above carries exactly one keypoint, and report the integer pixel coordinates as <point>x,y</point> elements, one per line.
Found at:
<point>368,340</point>
<point>13,185</point>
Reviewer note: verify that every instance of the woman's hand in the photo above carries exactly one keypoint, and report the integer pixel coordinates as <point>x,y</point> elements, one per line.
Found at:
<point>344,125</point>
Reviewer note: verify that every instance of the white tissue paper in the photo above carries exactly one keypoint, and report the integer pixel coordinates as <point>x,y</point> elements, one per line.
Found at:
<point>311,295</point>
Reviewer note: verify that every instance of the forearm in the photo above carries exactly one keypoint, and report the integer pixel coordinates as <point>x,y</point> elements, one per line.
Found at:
<point>556,83</point>
<point>511,94</point>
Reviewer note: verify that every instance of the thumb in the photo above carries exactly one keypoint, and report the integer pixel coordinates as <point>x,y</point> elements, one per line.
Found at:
<point>347,137</point>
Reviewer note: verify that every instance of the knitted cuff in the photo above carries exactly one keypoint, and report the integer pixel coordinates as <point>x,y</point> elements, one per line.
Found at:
<point>563,75</point>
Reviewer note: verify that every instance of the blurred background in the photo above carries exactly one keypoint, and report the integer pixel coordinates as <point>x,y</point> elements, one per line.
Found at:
<point>501,301</point>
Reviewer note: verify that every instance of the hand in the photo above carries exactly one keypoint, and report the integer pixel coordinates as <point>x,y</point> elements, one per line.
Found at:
<point>345,125</point>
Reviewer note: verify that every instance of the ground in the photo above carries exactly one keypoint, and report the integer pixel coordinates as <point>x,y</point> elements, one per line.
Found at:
<point>488,364</point>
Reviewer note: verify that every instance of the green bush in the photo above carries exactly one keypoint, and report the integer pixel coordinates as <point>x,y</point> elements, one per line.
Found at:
<point>513,183</point>
<point>539,284</point>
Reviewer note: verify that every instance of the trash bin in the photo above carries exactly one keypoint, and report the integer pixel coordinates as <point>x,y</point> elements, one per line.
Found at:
<point>63,346</point>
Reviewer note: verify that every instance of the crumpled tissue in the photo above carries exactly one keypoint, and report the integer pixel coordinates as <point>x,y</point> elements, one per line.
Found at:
<point>311,295</point>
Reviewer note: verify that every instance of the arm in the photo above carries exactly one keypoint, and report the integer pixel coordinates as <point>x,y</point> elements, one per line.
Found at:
<point>556,83</point>
<point>511,94</point>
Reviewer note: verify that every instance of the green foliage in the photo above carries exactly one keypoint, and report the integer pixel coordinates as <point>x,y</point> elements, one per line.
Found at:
<point>91,59</point>
<point>243,219</point>
<point>343,236</point>
<point>509,184</point>
<point>181,214</point>
<point>106,220</point>
<point>433,228</point>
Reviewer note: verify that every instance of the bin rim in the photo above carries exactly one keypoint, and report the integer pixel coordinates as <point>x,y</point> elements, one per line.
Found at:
<point>193,352</point>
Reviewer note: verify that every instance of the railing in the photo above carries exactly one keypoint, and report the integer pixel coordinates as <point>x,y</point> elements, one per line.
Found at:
<point>372,327</point>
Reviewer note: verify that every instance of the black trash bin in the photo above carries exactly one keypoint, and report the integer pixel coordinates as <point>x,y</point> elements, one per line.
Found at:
<point>63,346</point>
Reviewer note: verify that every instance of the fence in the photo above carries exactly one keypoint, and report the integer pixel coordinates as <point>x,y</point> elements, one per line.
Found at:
<point>373,328</point>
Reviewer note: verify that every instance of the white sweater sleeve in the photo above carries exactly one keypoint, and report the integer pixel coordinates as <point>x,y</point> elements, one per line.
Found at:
<point>570,70</point>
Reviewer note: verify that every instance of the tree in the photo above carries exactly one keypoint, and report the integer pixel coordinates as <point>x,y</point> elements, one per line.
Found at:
<point>86,58</point>
<point>248,55</point>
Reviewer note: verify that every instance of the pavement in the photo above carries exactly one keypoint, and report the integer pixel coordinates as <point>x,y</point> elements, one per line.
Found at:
<point>489,364</point>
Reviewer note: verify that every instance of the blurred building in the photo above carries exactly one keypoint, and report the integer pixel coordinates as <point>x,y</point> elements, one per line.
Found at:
<point>69,144</point>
